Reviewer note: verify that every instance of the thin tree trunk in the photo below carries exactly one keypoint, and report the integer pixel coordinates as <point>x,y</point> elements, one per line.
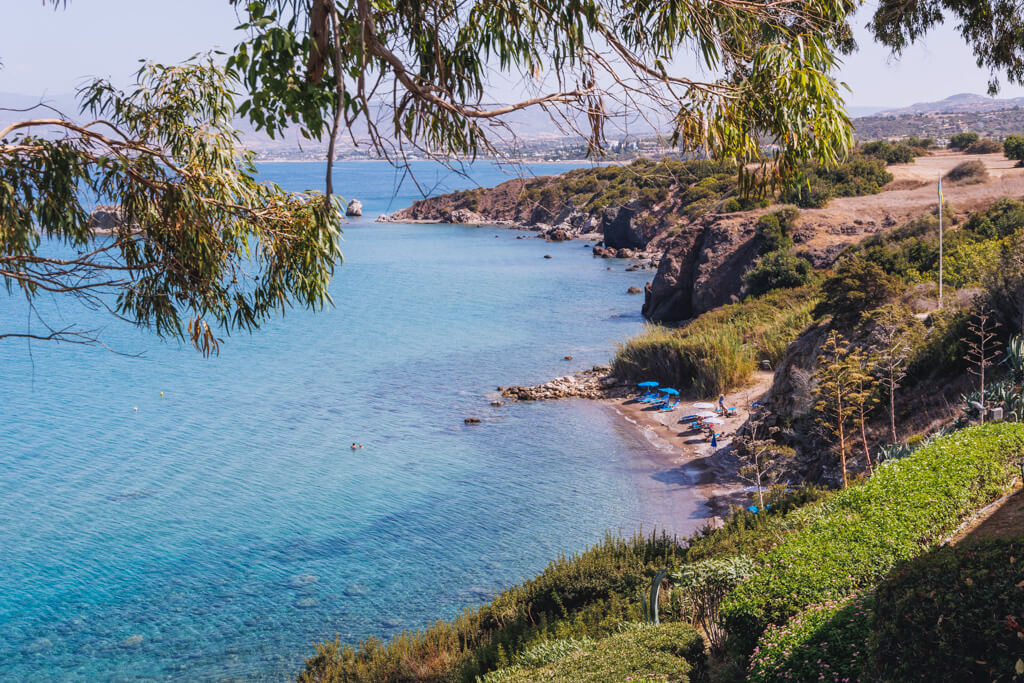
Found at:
<point>892,404</point>
<point>760,494</point>
<point>842,440</point>
<point>864,441</point>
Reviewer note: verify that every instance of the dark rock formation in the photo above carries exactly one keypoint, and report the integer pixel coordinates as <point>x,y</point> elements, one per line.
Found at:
<point>702,267</point>
<point>106,220</point>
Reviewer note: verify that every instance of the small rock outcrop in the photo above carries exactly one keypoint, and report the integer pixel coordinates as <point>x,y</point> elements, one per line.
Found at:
<point>355,208</point>
<point>593,384</point>
<point>106,220</point>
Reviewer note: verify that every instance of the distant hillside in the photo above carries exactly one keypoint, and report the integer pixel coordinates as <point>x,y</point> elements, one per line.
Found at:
<point>969,103</point>
<point>941,125</point>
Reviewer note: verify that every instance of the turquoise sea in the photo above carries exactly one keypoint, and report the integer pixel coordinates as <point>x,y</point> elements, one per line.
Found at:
<point>219,530</point>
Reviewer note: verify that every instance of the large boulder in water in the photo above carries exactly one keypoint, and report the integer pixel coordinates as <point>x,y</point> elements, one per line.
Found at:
<point>355,208</point>
<point>106,220</point>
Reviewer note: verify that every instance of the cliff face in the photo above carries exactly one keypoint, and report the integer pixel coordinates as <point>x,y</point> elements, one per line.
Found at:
<point>702,267</point>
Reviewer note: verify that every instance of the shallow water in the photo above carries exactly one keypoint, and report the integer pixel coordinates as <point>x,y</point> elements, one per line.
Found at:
<point>222,528</point>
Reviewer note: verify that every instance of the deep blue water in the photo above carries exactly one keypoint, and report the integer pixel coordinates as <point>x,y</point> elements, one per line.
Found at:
<point>222,528</point>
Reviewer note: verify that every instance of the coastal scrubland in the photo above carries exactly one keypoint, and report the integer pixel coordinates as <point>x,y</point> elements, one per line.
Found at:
<point>817,560</point>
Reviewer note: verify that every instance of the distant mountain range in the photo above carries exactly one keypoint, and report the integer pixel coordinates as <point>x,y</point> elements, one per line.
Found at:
<point>963,103</point>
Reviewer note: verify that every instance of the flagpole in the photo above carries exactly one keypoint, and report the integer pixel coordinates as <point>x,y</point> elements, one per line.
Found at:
<point>940,239</point>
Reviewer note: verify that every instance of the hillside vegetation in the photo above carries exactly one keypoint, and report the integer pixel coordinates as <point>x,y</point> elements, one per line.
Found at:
<point>818,559</point>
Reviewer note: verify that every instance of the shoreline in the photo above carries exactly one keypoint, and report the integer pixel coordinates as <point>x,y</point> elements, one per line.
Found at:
<point>713,471</point>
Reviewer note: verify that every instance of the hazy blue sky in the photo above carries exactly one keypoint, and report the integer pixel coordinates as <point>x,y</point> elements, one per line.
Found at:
<point>43,50</point>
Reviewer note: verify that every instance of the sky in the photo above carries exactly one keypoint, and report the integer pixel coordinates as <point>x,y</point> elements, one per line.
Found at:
<point>47,51</point>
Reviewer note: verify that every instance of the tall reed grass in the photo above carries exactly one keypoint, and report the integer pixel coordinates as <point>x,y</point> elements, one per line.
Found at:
<point>721,349</point>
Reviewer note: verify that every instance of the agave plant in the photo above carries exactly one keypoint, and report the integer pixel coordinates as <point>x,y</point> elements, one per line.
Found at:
<point>1015,358</point>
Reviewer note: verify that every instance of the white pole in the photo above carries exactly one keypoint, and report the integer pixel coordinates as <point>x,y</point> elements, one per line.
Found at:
<point>940,239</point>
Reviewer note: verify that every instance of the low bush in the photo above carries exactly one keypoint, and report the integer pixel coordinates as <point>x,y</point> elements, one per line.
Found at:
<point>780,269</point>
<point>721,349</point>
<point>956,614</point>
<point>863,532</point>
<point>890,152</point>
<point>744,532</point>
<point>962,140</point>
<point>986,146</point>
<point>669,652</point>
<point>815,186</point>
<point>973,171</point>
<point>1013,147</point>
<point>829,642</point>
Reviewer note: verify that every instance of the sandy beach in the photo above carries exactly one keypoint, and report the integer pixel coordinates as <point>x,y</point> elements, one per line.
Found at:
<point>712,469</point>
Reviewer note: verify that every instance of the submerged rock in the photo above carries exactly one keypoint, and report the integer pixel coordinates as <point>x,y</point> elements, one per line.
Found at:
<point>472,420</point>
<point>132,641</point>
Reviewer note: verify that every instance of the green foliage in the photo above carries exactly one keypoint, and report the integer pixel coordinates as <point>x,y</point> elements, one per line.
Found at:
<point>744,532</point>
<point>1013,147</point>
<point>777,270</point>
<point>201,247</point>
<point>828,642</point>
<point>955,614</point>
<point>972,171</point>
<point>584,596</point>
<point>774,229</point>
<point>962,140</point>
<point>1003,218</point>
<point>306,64</point>
<point>721,349</point>
<point>815,186</point>
<point>863,532</point>
<point>704,584</point>
<point>668,652</point>
<point>855,287</point>
<point>889,152</point>
<point>985,146</point>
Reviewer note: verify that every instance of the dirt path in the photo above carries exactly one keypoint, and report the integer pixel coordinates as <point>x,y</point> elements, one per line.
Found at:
<point>913,192</point>
<point>713,468</point>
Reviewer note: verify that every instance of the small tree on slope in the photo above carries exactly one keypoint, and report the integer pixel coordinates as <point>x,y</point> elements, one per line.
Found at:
<point>838,379</point>
<point>983,350</point>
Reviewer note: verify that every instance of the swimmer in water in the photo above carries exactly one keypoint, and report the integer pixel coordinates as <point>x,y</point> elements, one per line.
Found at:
<point>354,446</point>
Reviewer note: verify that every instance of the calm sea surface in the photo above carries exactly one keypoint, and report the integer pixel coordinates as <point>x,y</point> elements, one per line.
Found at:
<point>219,530</point>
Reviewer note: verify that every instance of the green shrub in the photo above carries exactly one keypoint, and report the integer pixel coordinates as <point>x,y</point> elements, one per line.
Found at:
<point>986,146</point>
<point>863,532</point>
<point>815,186</point>
<point>856,286</point>
<point>1013,147</point>
<point>829,642</point>
<point>973,170</point>
<point>731,205</point>
<point>956,614</point>
<point>962,140</point>
<point>777,270</point>
<point>890,153</point>
<point>744,532</point>
<point>668,652</point>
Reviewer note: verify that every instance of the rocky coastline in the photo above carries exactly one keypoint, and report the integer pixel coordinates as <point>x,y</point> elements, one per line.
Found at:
<point>595,384</point>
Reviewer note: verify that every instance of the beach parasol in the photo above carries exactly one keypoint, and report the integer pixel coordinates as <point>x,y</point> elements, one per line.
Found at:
<point>704,406</point>
<point>673,392</point>
<point>714,421</point>
<point>705,413</point>
<point>648,384</point>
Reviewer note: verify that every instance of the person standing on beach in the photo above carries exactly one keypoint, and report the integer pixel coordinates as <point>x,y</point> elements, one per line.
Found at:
<point>721,402</point>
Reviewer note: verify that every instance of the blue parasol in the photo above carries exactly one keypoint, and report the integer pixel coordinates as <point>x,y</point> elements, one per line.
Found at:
<point>648,384</point>
<point>673,392</point>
